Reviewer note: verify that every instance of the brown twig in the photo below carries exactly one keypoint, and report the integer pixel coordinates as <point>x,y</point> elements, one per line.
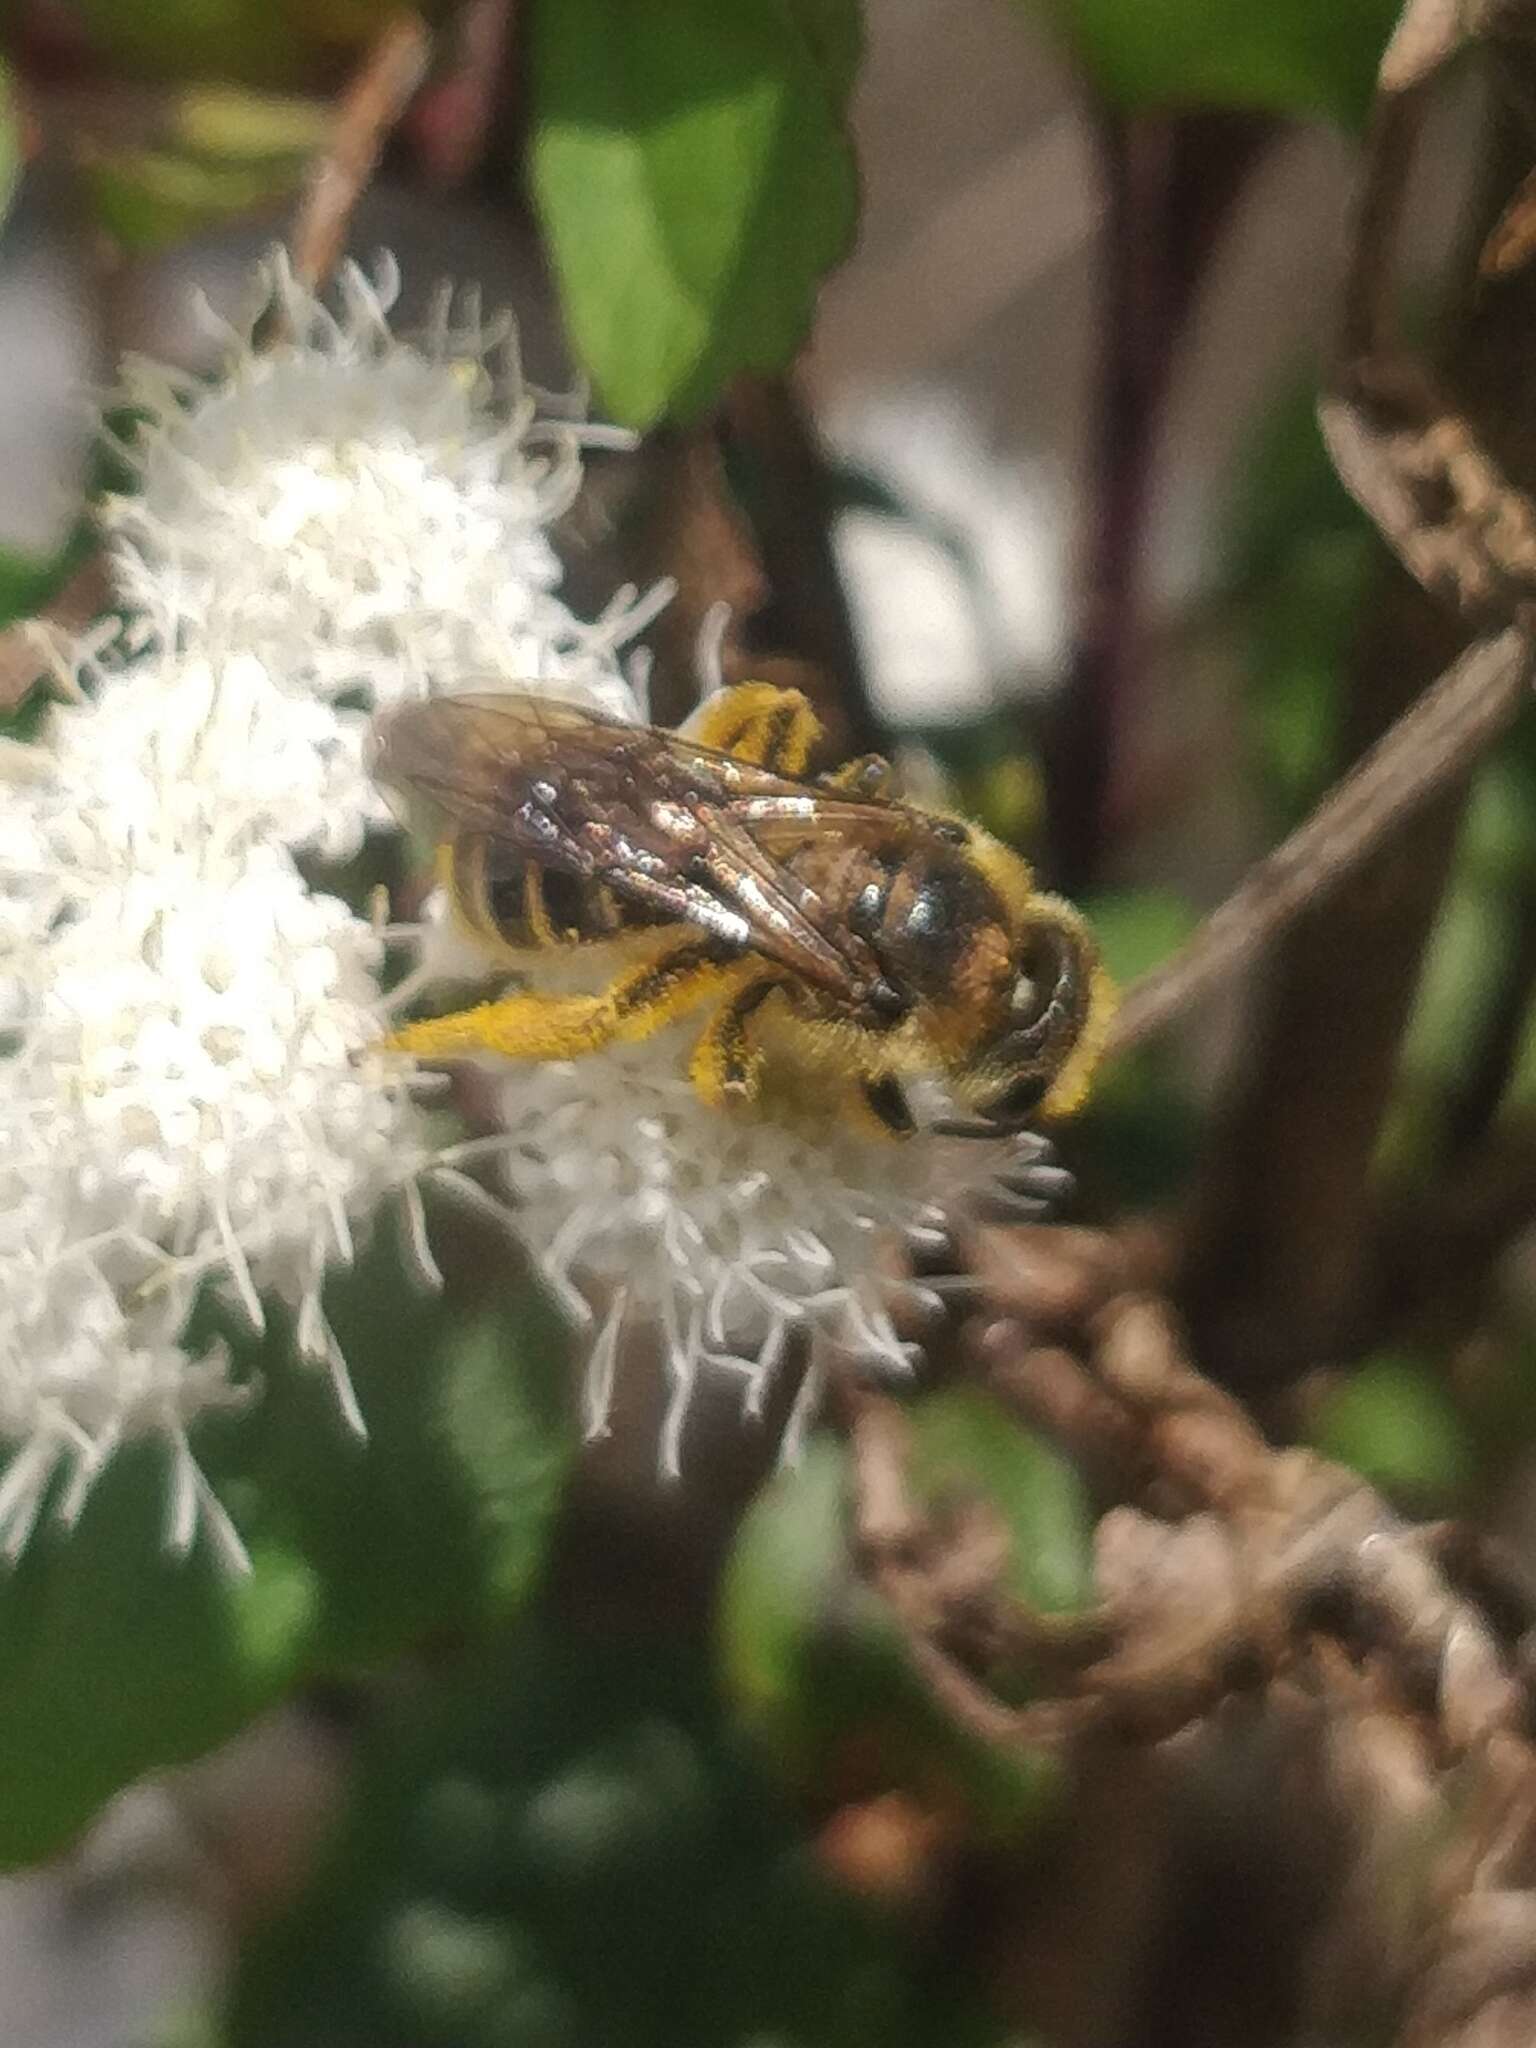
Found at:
<point>1465,532</point>
<point>1450,726</point>
<point>1429,33</point>
<point>1266,1533</point>
<point>368,111</point>
<point>1267,1570</point>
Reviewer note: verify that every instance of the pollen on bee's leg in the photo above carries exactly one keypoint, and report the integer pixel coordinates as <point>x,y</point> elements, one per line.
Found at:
<point>439,1037</point>
<point>519,1027</point>
<point>761,724</point>
<point>726,1065</point>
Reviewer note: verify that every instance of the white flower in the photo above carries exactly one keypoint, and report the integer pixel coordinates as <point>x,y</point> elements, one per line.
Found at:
<point>196,1096</point>
<point>727,1232</point>
<point>192,1092</point>
<point>198,750</point>
<point>191,1088</point>
<point>367,514</point>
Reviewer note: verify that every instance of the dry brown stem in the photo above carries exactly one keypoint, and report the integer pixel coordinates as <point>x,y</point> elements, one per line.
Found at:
<point>368,111</point>
<point>1237,1567</point>
<point>1452,724</point>
<point>1465,531</point>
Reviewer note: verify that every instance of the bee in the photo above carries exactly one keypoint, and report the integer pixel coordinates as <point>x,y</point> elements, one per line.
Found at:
<point>822,929</point>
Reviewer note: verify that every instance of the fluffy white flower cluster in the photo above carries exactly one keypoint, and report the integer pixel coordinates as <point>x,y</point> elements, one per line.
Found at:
<point>190,1086</point>
<point>726,1233</point>
<point>191,1091</point>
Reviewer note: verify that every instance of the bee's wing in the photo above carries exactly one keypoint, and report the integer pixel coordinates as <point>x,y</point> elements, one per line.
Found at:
<point>469,760</point>
<point>652,816</point>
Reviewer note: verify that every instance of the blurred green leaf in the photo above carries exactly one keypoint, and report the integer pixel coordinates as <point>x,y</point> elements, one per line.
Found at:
<point>966,1446</point>
<point>439,1521</point>
<point>27,581</point>
<point>222,122</point>
<point>1137,1140</point>
<point>1473,967</point>
<point>147,199</point>
<point>564,1845</point>
<point>1138,928</point>
<point>834,29</point>
<point>1497,847</point>
<point>1393,1422</point>
<point>789,1596</point>
<point>1470,949</point>
<point>119,1658</point>
<point>276,43</point>
<point>1299,564</point>
<point>10,140</point>
<point>694,182</point>
<point>820,1668</point>
<point>1309,57</point>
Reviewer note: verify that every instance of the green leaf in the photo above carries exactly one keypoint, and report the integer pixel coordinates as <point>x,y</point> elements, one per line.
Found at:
<point>277,43</point>
<point>1474,931</point>
<point>820,1668</point>
<point>1310,57</point>
<point>1300,563</point>
<point>119,1658</point>
<point>1138,928</point>
<point>222,122</point>
<point>10,141</point>
<point>505,1408</point>
<point>966,1445</point>
<point>147,199</point>
<point>439,1520</point>
<point>564,1844</point>
<point>27,581</point>
<point>695,183</point>
<point>1138,1138</point>
<point>1393,1422</point>
<point>834,29</point>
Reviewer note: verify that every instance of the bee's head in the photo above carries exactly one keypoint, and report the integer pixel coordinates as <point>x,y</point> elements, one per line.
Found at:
<point>1059,1004</point>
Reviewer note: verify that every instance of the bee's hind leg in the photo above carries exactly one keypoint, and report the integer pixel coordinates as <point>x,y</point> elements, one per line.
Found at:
<point>866,775</point>
<point>727,1065</point>
<point>549,1027</point>
<point>760,724</point>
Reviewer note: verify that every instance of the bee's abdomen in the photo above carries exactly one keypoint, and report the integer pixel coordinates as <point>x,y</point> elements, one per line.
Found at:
<point>531,908</point>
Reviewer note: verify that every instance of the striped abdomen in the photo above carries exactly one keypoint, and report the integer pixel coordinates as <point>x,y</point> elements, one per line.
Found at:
<point>529,908</point>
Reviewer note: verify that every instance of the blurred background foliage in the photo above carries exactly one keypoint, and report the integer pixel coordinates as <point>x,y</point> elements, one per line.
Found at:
<point>606,1785</point>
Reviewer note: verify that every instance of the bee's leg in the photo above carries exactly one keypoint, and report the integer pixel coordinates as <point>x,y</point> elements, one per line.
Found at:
<point>549,1027</point>
<point>1070,1085</point>
<point>726,1065</point>
<point>864,775</point>
<point>760,724</point>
